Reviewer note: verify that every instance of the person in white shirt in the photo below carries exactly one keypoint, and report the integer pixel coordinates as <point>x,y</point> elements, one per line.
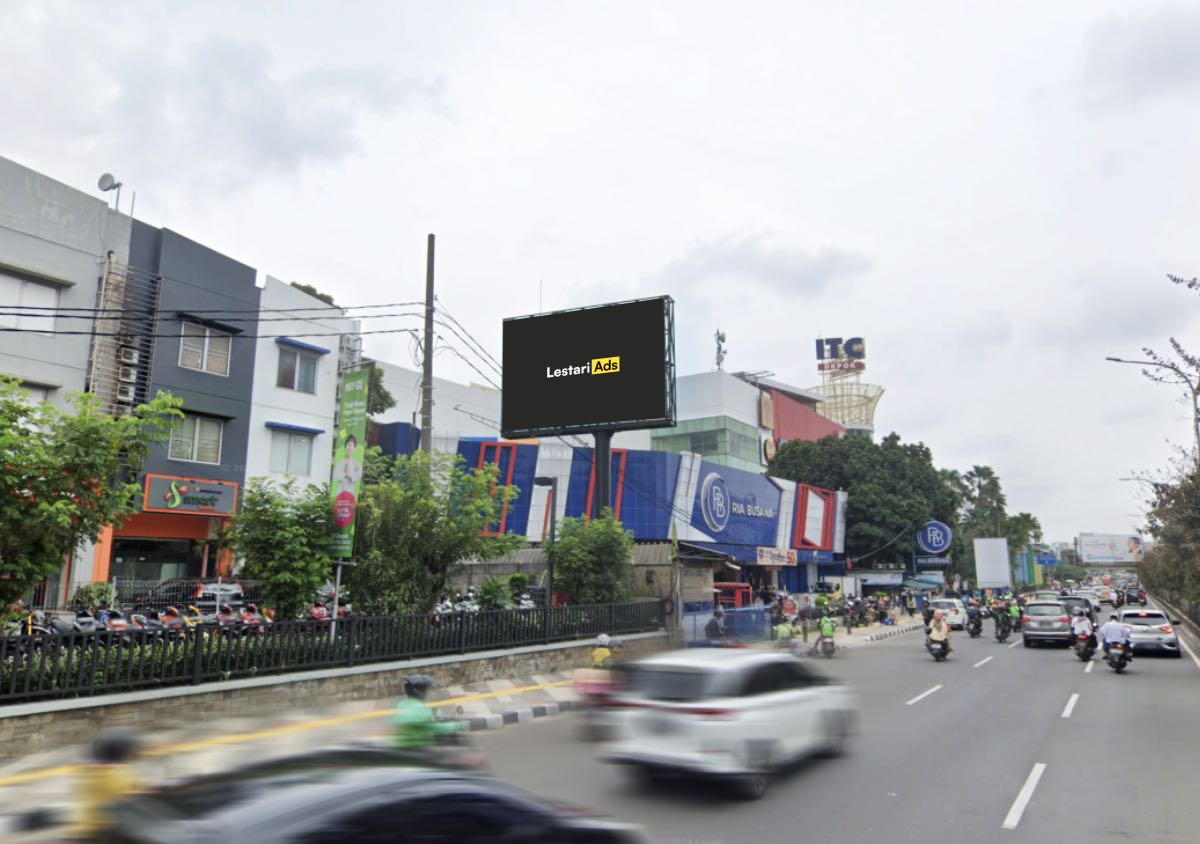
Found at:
<point>1081,625</point>
<point>1115,631</point>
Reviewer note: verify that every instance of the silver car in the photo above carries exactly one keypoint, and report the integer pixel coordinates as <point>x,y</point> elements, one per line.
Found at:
<point>1046,621</point>
<point>1151,632</point>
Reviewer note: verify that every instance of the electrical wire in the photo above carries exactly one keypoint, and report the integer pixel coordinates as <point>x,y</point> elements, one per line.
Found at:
<point>479,345</point>
<point>158,336</point>
<point>149,314</point>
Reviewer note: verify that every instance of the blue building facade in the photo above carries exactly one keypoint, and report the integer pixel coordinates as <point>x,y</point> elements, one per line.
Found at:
<point>764,524</point>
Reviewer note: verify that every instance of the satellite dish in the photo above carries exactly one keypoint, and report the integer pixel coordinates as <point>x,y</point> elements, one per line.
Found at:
<point>107,182</point>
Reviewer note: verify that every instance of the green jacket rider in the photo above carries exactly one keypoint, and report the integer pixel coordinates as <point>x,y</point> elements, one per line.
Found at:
<point>416,726</point>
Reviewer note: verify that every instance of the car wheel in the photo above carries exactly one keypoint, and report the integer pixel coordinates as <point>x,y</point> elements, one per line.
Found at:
<point>1028,643</point>
<point>1176,654</point>
<point>752,786</point>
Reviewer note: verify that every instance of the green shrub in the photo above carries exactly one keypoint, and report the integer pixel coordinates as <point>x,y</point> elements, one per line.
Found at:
<point>93,597</point>
<point>518,583</point>
<point>492,594</point>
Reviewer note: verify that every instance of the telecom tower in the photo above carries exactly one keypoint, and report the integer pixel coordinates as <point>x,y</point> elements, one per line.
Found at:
<point>849,401</point>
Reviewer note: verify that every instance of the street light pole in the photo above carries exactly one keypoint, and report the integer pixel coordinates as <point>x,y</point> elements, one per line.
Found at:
<point>1192,388</point>
<point>552,482</point>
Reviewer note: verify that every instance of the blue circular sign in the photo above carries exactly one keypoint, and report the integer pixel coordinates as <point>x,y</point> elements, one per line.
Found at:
<point>934,538</point>
<point>714,502</point>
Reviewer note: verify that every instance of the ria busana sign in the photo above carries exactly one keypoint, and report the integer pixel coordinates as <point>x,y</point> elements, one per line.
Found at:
<point>604,368</point>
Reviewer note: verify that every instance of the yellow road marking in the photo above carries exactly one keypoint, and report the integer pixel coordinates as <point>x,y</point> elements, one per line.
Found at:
<point>272,732</point>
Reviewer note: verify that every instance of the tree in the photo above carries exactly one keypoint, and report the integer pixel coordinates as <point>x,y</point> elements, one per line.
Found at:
<point>314,292</point>
<point>64,476</point>
<point>418,516</point>
<point>1172,566</point>
<point>283,535</point>
<point>379,400</point>
<point>893,487</point>
<point>592,559</point>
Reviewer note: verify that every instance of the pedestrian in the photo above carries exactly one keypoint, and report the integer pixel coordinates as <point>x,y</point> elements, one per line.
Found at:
<point>910,603</point>
<point>715,629</point>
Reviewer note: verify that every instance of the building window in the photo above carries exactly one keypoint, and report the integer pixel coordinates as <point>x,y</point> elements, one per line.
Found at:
<point>291,453</point>
<point>197,439</point>
<point>297,371</point>
<point>35,304</point>
<point>204,349</point>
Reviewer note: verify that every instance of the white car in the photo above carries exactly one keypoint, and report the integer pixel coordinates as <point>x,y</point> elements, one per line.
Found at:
<point>738,714</point>
<point>952,610</point>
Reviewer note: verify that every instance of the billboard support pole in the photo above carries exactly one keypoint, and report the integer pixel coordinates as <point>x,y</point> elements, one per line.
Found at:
<point>603,457</point>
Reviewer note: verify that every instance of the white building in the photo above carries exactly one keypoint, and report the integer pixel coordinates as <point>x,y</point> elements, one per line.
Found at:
<point>295,386</point>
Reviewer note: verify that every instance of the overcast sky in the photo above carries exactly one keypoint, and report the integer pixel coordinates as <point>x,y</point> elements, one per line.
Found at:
<point>989,193</point>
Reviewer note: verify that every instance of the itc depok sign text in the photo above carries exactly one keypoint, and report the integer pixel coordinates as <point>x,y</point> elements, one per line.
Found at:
<point>835,353</point>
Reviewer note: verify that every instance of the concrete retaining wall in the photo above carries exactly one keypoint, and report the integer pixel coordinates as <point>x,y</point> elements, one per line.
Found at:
<point>33,727</point>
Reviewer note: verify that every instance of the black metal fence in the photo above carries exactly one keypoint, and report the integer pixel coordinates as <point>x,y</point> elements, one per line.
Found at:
<point>35,667</point>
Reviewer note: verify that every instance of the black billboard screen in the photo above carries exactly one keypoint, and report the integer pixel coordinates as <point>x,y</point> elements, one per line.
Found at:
<point>610,367</point>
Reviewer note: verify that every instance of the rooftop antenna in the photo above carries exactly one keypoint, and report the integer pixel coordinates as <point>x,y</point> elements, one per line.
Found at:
<point>720,338</point>
<point>107,183</point>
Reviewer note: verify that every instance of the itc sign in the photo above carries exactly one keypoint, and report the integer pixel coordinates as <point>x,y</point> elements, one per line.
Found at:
<point>834,353</point>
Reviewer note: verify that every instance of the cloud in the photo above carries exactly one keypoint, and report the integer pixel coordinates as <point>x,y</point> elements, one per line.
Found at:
<point>764,258</point>
<point>225,104</point>
<point>1137,57</point>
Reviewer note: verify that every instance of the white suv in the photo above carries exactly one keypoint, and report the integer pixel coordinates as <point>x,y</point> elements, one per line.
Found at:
<point>739,714</point>
<point>952,610</point>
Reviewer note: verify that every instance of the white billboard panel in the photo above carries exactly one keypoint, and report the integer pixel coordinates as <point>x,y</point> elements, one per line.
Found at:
<point>991,564</point>
<point>1101,549</point>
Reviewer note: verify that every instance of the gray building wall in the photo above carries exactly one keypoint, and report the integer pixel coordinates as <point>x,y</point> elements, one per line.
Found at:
<point>56,235</point>
<point>194,282</point>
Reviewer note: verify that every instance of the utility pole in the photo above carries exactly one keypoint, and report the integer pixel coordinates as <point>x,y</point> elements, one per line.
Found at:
<point>427,363</point>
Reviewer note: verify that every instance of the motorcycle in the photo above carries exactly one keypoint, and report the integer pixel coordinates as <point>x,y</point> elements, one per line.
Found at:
<point>1117,658</point>
<point>1084,649</point>
<point>1002,628</point>
<point>938,650</point>
<point>827,647</point>
<point>975,627</point>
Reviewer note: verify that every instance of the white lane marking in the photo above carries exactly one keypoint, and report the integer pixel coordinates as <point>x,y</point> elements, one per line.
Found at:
<point>1024,796</point>
<point>982,662</point>
<point>924,695</point>
<point>1070,707</point>
<point>1014,644</point>
<point>1089,668</point>
<point>1190,652</point>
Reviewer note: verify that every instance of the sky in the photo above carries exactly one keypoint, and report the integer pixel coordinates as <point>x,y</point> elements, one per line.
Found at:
<point>990,194</point>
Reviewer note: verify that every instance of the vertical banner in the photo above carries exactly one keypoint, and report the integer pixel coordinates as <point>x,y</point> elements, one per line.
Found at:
<point>348,449</point>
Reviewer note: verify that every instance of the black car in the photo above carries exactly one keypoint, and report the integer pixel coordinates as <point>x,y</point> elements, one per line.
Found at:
<point>355,795</point>
<point>1078,602</point>
<point>1134,595</point>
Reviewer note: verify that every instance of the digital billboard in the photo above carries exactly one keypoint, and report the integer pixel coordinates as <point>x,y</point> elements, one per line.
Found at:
<point>609,367</point>
<point>1101,549</point>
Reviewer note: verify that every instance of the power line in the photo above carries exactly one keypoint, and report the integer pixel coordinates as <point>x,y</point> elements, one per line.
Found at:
<point>28,310</point>
<point>467,361</point>
<point>484,351</point>
<point>151,315</point>
<point>482,359</point>
<point>158,336</point>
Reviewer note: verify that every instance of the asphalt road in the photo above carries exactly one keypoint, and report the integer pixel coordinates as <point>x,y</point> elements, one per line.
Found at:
<point>1121,763</point>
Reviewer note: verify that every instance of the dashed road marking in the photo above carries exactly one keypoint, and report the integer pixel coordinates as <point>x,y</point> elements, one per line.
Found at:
<point>983,661</point>
<point>1014,644</point>
<point>923,695</point>
<point>1070,707</point>
<point>1024,796</point>
<point>1089,668</point>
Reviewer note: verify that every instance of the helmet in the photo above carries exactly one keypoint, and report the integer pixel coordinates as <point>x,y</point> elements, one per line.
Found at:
<point>250,608</point>
<point>602,640</point>
<point>226,608</point>
<point>1113,616</point>
<point>115,745</point>
<point>170,611</point>
<point>417,685</point>
<point>1079,611</point>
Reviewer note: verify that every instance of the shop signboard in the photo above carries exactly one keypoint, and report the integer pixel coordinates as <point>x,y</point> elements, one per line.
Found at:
<point>933,562</point>
<point>740,508</point>
<point>189,496</point>
<point>775,556</point>
<point>349,448</point>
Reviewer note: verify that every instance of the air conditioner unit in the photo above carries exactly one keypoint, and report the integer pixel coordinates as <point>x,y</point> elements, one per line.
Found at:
<point>125,393</point>
<point>129,356</point>
<point>128,374</point>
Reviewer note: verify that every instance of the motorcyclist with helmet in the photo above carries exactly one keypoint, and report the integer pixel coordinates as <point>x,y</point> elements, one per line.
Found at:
<point>1081,625</point>
<point>602,654</point>
<point>826,627</point>
<point>416,726</point>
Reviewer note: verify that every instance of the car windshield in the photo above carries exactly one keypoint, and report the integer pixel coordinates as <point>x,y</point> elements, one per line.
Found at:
<point>670,684</point>
<point>1043,609</point>
<point>944,605</point>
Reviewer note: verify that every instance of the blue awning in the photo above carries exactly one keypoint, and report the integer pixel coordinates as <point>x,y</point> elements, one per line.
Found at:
<point>296,344</point>
<point>299,429</point>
